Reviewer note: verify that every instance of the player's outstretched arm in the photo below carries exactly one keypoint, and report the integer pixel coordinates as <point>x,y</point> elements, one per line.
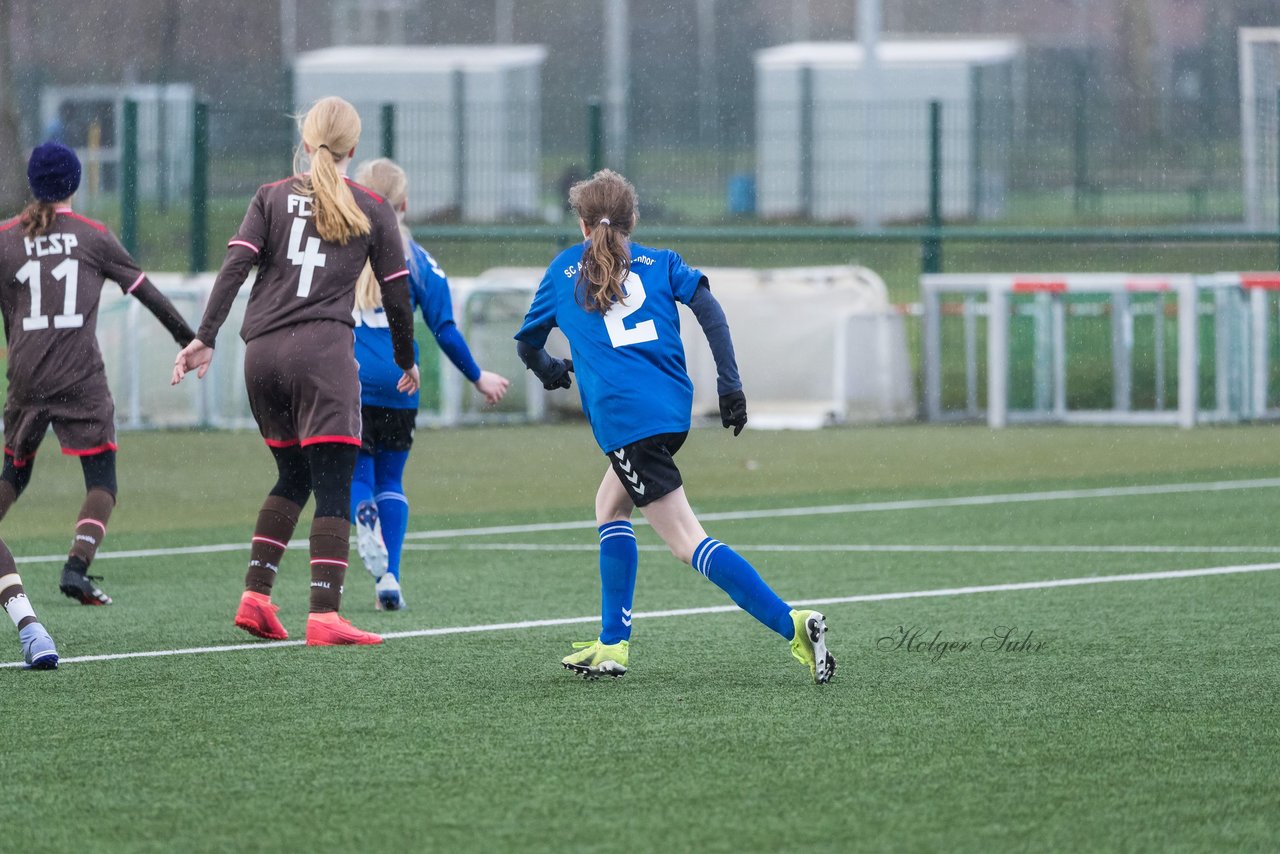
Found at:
<point>733,403</point>
<point>165,311</point>
<point>553,372</point>
<point>196,356</point>
<point>410,381</point>
<point>492,386</point>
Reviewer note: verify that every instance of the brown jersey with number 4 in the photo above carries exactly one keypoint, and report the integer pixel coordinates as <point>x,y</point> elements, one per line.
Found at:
<point>50,287</point>
<point>301,277</point>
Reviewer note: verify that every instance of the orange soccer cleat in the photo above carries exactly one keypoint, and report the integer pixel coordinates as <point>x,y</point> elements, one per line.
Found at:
<point>328,629</point>
<point>257,616</point>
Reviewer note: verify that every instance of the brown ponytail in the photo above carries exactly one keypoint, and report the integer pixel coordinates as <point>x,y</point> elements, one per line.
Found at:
<point>331,128</point>
<point>37,218</point>
<point>606,204</point>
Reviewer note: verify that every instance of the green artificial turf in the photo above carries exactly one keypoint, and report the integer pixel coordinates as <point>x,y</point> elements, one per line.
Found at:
<point>1142,721</point>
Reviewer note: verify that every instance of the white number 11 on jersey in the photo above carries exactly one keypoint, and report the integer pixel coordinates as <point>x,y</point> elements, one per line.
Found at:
<point>67,272</point>
<point>614,318</point>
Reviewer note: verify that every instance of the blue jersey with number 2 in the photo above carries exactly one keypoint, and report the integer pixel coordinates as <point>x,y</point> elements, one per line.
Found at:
<point>629,361</point>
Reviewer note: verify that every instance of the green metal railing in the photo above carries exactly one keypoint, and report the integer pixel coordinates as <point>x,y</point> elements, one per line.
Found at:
<point>200,189</point>
<point>129,177</point>
<point>932,237</point>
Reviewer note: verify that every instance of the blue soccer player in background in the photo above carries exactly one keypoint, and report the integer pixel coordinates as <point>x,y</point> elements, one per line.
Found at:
<point>378,503</point>
<point>616,303</point>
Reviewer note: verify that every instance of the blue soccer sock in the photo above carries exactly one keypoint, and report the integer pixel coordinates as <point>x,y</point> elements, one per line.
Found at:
<point>361,482</point>
<point>393,506</point>
<point>732,574</point>
<point>393,511</point>
<point>618,560</point>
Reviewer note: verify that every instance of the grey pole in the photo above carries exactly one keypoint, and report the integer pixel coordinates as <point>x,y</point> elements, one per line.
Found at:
<point>869,36</point>
<point>708,91</point>
<point>504,28</point>
<point>617,63</point>
<point>800,20</point>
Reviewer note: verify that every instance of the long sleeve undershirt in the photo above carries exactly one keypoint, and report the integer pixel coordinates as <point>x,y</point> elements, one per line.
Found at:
<point>706,308</point>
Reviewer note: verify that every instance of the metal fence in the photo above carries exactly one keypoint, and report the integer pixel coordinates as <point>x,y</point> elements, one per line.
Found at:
<point>996,164</point>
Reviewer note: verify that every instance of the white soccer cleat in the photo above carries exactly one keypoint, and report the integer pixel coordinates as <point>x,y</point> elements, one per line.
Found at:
<point>369,544</point>
<point>388,593</point>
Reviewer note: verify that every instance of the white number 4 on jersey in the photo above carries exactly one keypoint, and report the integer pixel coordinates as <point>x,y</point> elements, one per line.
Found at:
<point>308,259</point>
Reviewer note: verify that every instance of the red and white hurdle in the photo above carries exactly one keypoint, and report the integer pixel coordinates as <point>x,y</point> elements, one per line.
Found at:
<point>1240,305</point>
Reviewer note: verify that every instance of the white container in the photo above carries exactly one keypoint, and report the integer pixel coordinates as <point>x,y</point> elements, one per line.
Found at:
<point>837,141</point>
<point>467,126</point>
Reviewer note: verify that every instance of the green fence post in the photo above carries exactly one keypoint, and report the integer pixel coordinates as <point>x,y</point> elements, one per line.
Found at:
<point>595,136</point>
<point>1278,178</point>
<point>1080,142</point>
<point>459,143</point>
<point>389,131</point>
<point>129,177</point>
<point>931,250</point>
<point>806,141</point>
<point>200,188</point>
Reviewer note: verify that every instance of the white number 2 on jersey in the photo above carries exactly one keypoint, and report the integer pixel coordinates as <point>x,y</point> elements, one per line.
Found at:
<point>308,259</point>
<point>68,271</point>
<point>614,318</point>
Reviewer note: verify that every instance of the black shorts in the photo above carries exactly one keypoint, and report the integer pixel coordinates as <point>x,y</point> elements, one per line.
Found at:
<point>387,429</point>
<point>647,468</point>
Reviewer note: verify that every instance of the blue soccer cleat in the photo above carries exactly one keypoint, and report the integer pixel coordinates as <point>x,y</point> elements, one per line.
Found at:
<point>37,648</point>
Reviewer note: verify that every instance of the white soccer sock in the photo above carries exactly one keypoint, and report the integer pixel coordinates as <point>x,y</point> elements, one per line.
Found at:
<point>16,605</point>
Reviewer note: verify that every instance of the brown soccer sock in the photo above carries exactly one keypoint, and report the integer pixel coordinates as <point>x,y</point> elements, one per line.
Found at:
<point>330,546</point>
<point>13,598</point>
<point>276,521</point>
<point>91,526</point>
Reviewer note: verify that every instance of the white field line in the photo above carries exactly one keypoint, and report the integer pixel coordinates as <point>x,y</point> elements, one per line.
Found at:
<point>871,507</point>
<point>716,609</point>
<point>881,506</point>
<point>867,548</point>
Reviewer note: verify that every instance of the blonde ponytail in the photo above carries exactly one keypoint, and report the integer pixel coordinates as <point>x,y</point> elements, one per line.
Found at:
<point>331,129</point>
<point>388,180</point>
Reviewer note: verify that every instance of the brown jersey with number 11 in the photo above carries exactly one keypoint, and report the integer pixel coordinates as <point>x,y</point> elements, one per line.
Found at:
<point>50,287</point>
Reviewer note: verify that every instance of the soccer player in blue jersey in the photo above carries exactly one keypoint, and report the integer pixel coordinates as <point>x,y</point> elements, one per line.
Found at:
<point>378,504</point>
<point>616,303</point>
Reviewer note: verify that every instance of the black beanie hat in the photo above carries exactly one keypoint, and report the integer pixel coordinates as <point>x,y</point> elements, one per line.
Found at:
<point>53,172</point>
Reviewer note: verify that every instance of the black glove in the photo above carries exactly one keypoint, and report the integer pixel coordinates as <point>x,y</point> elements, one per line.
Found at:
<point>733,410</point>
<point>557,375</point>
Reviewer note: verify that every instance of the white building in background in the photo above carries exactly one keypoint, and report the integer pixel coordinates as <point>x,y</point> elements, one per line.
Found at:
<point>467,120</point>
<point>836,141</point>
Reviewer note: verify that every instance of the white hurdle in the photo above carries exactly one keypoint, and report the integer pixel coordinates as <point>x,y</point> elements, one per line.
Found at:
<point>1240,305</point>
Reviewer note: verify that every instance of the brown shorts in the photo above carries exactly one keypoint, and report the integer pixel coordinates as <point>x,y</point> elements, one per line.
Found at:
<point>84,424</point>
<point>303,384</point>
